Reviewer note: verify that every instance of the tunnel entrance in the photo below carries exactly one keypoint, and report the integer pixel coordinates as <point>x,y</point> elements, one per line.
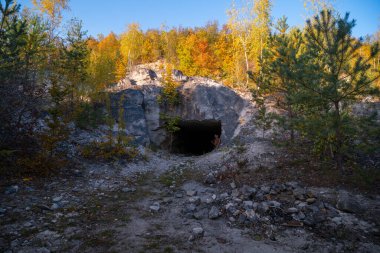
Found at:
<point>195,137</point>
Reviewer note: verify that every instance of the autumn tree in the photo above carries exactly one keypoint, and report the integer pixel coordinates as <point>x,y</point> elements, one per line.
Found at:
<point>103,61</point>
<point>260,30</point>
<point>224,57</point>
<point>131,44</point>
<point>53,9</point>
<point>240,23</point>
<point>151,49</point>
<point>169,42</point>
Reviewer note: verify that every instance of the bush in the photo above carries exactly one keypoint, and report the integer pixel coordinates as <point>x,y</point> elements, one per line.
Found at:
<point>107,150</point>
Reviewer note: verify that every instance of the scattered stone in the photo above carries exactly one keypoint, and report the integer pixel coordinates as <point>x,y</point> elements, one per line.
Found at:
<point>248,204</point>
<point>72,215</point>
<point>265,189</point>
<point>201,214</point>
<point>292,210</point>
<point>178,195</point>
<point>299,193</point>
<point>214,213</point>
<point>27,224</point>
<point>348,203</point>
<point>230,208</point>
<point>54,206</point>
<point>237,200</point>
<point>300,216</point>
<point>274,203</point>
<point>48,235</point>
<point>210,179</point>
<point>233,185</point>
<point>248,191</point>
<point>191,193</point>
<point>260,196</point>
<point>207,199</point>
<point>127,189</point>
<point>224,195</point>
<point>196,200</point>
<point>167,200</point>
<point>235,193</point>
<point>57,199</point>
<point>262,207</point>
<point>189,208</point>
<point>310,200</point>
<point>155,207</point>
<point>12,189</point>
<point>337,220</point>
<point>197,233</point>
<point>302,205</point>
<point>292,185</point>
<point>251,215</point>
<point>242,218</point>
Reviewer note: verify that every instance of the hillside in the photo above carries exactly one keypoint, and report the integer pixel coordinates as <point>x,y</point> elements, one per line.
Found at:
<point>248,136</point>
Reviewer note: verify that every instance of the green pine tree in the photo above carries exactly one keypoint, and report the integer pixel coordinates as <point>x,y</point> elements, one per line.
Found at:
<point>335,77</point>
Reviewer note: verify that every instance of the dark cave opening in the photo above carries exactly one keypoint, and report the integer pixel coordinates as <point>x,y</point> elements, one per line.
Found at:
<point>195,137</point>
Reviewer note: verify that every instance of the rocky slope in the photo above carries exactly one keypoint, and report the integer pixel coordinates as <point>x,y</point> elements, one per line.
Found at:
<point>170,203</point>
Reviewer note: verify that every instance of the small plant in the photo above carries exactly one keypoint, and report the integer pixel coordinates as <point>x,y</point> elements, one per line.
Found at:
<point>89,115</point>
<point>169,96</point>
<point>171,125</point>
<point>263,118</point>
<point>108,151</point>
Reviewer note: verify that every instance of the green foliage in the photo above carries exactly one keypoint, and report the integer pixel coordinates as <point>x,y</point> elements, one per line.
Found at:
<point>171,123</point>
<point>169,96</point>
<point>117,144</point>
<point>40,74</point>
<point>89,115</point>
<point>337,76</point>
<point>263,119</point>
<point>106,150</point>
<point>316,77</point>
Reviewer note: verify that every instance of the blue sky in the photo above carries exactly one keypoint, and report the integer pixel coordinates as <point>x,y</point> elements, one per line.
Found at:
<point>100,16</point>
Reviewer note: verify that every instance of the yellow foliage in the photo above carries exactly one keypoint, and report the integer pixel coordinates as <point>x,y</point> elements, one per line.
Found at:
<point>103,66</point>
<point>131,44</point>
<point>52,8</point>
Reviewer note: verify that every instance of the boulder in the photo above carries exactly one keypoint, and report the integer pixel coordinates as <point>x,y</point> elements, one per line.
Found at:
<point>127,105</point>
<point>214,213</point>
<point>178,76</point>
<point>349,203</point>
<point>142,75</point>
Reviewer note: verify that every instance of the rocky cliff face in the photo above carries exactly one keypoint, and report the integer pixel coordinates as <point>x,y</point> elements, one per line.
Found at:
<point>200,99</point>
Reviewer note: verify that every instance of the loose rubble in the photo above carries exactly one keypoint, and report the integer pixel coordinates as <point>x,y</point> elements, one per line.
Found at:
<point>108,209</point>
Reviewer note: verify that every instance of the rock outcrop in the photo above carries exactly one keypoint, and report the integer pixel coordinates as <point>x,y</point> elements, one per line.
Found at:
<point>200,99</point>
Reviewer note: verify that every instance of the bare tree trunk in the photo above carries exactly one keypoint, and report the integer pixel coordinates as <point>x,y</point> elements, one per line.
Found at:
<point>339,140</point>
<point>246,65</point>
<point>261,48</point>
